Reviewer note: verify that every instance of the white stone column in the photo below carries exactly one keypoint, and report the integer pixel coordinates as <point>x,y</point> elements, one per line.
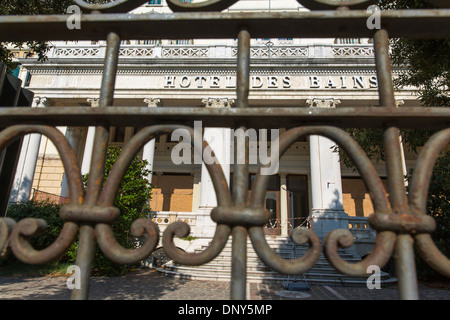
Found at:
<point>74,136</point>
<point>327,210</point>
<point>284,205</point>
<point>86,163</point>
<point>148,152</point>
<point>26,166</point>
<point>219,141</point>
<point>196,190</point>
<point>399,103</point>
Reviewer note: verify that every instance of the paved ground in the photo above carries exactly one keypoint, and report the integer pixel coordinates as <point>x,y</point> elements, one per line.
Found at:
<point>150,285</point>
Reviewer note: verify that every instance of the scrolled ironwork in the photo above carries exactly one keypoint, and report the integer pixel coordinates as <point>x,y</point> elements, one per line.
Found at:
<point>343,238</point>
<point>208,5</point>
<point>296,266</point>
<point>6,225</point>
<point>182,229</point>
<point>114,6</point>
<point>334,4</point>
<point>398,222</point>
<point>18,238</point>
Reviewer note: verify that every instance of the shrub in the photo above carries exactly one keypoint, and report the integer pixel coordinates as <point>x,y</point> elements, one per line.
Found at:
<point>39,210</point>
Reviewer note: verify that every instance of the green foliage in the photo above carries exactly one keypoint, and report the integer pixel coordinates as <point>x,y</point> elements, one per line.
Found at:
<point>426,62</point>
<point>29,7</point>
<point>49,212</point>
<point>39,210</point>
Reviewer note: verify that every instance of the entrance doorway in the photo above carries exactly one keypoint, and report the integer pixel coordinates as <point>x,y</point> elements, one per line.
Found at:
<point>298,207</point>
<point>272,204</point>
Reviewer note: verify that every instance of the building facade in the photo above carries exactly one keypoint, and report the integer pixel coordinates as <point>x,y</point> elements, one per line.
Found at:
<point>310,186</point>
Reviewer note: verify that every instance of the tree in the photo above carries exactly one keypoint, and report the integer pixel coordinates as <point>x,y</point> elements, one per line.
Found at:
<point>29,7</point>
<point>426,66</point>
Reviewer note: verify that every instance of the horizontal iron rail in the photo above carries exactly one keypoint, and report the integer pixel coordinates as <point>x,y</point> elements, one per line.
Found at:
<point>256,117</point>
<point>423,23</point>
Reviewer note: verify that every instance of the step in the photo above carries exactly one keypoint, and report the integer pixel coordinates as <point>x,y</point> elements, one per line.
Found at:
<point>219,269</point>
<point>273,277</point>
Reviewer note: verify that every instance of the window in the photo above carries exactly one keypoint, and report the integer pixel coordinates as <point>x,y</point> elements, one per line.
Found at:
<point>147,42</point>
<point>348,41</point>
<point>285,41</point>
<point>182,41</point>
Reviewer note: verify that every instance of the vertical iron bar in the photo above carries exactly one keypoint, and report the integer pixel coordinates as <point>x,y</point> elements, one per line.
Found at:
<point>403,252</point>
<point>243,69</point>
<point>240,175</point>
<point>86,247</point>
<point>238,263</point>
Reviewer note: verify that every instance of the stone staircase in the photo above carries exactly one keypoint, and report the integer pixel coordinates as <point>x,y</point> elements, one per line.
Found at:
<point>219,269</point>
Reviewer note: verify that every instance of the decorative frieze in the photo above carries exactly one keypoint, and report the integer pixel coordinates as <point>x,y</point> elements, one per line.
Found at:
<point>346,51</point>
<point>185,52</point>
<point>76,52</point>
<point>192,51</point>
<point>276,52</point>
<point>136,52</point>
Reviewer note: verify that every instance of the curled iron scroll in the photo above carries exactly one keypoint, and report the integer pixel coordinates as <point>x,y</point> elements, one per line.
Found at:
<point>19,232</point>
<point>181,229</point>
<point>143,227</point>
<point>123,6</point>
<point>298,236</point>
<point>338,238</point>
<point>418,197</point>
<point>208,5</point>
<point>333,4</point>
<point>114,6</point>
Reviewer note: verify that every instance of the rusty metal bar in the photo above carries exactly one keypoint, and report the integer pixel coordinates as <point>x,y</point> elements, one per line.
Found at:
<point>254,117</point>
<point>211,25</point>
<point>86,248</point>
<point>404,253</point>
<point>238,263</point>
<point>240,174</point>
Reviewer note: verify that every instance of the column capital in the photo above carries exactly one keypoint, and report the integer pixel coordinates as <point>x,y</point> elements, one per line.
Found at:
<point>399,103</point>
<point>40,102</point>
<point>217,102</point>
<point>283,175</point>
<point>94,102</point>
<point>323,102</point>
<point>152,102</point>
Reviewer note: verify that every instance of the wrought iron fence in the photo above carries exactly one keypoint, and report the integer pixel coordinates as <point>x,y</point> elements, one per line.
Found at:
<point>400,220</point>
